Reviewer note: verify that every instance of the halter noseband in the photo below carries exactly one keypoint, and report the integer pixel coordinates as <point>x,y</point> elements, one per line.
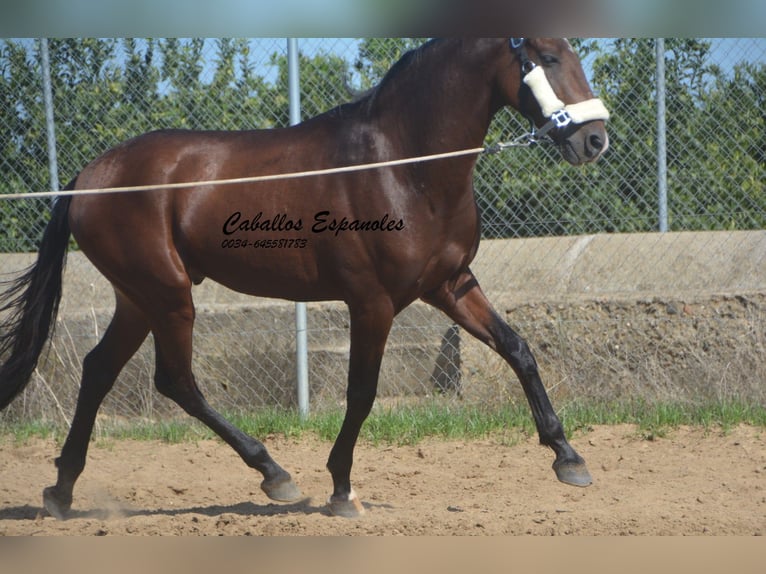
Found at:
<point>559,114</point>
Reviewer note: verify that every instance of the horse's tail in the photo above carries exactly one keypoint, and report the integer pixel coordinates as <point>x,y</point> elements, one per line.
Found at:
<point>30,304</point>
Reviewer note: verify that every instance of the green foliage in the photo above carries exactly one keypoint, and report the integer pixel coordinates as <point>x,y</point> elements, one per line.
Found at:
<point>377,55</point>
<point>108,90</point>
<point>327,76</point>
<point>715,131</point>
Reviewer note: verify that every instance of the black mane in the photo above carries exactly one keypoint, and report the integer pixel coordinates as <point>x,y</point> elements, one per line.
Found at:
<point>409,61</point>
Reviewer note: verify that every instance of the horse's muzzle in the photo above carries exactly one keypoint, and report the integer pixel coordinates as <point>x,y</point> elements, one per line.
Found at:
<point>585,144</point>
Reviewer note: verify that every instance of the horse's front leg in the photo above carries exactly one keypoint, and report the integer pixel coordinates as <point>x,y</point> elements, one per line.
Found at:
<point>370,325</point>
<point>463,300</point>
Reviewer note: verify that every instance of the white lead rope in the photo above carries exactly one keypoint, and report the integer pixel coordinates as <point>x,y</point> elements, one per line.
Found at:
<point>262,178</point>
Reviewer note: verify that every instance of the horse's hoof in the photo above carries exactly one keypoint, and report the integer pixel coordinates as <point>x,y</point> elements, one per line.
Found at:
<point>54,505</point>
<point>573,473</point>
<point>346,507</point>
<point>282,491</point>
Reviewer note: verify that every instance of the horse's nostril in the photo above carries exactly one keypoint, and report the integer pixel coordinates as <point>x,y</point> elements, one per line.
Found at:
<point>596,142</point>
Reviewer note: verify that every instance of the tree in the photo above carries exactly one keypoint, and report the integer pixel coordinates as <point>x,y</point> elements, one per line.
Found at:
<point>107,90</point>
<point>377,55</point>
<point>720,180</point>
<point>323,85</point>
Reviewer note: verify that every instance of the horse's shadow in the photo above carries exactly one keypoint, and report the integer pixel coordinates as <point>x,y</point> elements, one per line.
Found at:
<point>304,506</point>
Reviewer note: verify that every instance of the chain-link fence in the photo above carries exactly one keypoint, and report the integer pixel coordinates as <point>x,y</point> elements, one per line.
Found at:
<point>104,91</point>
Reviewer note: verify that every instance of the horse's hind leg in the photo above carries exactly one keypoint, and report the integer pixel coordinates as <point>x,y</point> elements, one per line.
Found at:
<point>123,337</point>
<point>463,300</point>
<point>173,343</point>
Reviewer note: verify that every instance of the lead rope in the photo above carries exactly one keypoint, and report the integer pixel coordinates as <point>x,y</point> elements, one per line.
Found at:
<point>525,140</point>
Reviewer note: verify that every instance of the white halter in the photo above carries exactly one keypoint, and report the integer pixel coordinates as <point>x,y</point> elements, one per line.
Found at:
<point>558,113</point>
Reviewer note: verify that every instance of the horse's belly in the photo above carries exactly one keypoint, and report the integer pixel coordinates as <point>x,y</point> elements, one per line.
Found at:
<point>268,271</point>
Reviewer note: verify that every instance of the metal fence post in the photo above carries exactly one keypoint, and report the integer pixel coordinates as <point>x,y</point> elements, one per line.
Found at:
<point>662,166</point>
<point>524,194</point>
<point>50,126</point>
<point>301,343</point>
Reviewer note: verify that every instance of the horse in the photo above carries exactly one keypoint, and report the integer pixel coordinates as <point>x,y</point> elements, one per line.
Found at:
<point>377,239</point>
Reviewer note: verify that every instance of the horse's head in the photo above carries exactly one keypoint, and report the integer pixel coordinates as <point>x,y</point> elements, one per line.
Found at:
<point>549,87</point>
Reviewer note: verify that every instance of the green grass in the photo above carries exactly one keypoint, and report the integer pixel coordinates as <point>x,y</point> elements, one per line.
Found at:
<point>23,432</point>
<point>411,424</point>
<point>655,419</point>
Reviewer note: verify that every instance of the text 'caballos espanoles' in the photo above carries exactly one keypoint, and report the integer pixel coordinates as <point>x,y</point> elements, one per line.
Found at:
<point>322,222</point>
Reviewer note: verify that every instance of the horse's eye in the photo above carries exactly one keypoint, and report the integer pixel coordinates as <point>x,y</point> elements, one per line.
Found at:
<point>549,60</point>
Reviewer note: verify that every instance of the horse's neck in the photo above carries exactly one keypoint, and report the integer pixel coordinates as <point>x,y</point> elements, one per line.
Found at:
<point>438,110</point>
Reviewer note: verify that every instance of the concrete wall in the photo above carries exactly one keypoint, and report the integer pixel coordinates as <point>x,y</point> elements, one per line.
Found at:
<point>241,337</point>
<point>623,265</point>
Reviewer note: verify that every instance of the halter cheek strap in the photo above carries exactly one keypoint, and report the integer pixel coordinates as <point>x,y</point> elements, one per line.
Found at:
<point>558,113</point>
<point>543,92</point>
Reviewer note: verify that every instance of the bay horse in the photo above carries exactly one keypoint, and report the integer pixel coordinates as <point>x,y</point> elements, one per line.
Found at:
<point>376,239</point>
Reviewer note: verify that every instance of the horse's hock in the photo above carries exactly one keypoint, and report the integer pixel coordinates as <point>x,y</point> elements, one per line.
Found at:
<point>669,316</point>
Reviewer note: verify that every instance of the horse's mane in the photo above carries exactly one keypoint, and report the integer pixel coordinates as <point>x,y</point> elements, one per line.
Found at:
<point>413,64</point>
<point>410,58</point>
<point>409,61</point>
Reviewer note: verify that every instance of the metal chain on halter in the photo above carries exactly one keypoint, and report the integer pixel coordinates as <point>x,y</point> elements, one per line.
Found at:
<point>524,140</point>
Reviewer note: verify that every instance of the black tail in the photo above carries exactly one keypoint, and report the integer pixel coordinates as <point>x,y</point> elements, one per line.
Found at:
<point>31,303</point>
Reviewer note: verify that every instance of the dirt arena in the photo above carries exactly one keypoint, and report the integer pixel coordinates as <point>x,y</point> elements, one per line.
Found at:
<point>690,482</point>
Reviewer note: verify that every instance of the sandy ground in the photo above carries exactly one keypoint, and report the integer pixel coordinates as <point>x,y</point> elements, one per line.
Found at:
<point>690,481</point>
